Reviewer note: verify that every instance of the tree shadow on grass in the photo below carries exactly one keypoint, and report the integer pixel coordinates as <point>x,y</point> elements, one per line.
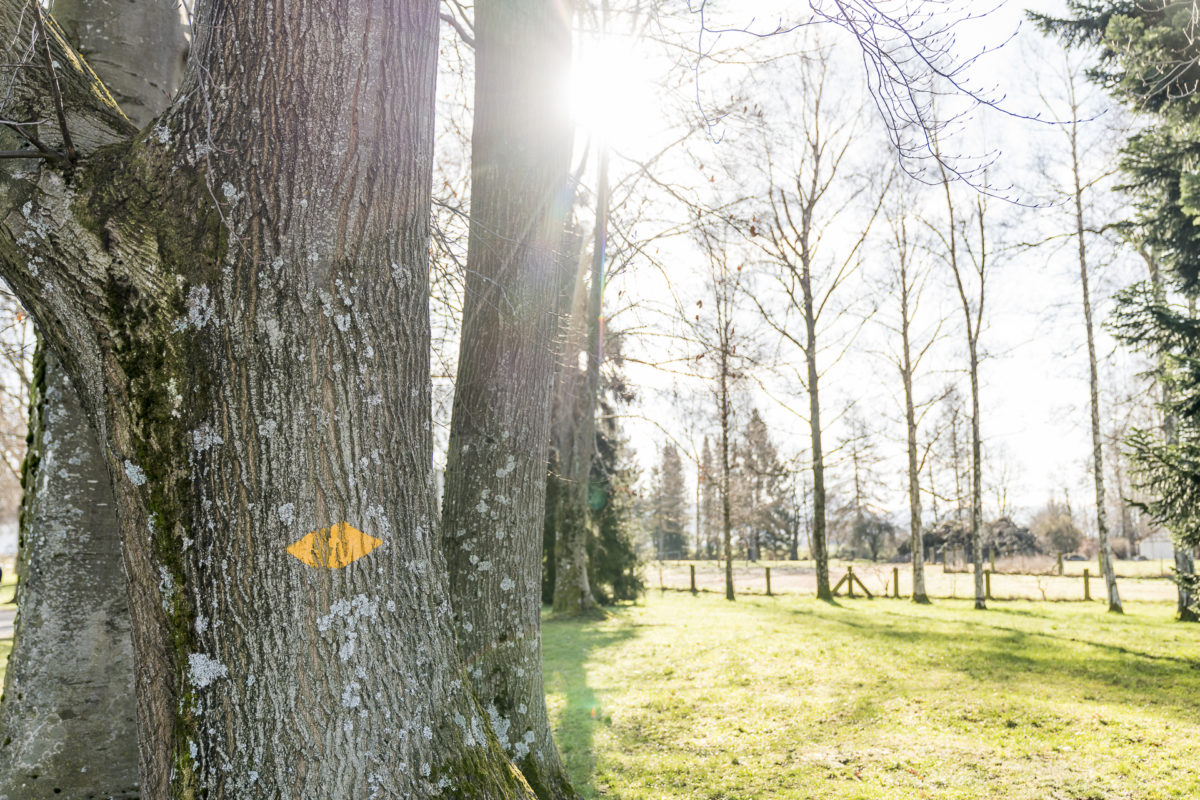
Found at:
<point>567,646</point>
<point>1012,657</point>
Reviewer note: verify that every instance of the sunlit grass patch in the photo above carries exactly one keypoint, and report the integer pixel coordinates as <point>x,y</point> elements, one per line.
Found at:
<point>791,698</point>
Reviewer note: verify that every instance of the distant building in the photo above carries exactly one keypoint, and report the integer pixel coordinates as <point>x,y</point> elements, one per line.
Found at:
<point>1158,545</point>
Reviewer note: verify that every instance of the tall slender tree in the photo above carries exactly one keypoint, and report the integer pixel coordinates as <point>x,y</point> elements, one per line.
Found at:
<point>969,263</point>
<point>905,285</point>
<point>800,211</point>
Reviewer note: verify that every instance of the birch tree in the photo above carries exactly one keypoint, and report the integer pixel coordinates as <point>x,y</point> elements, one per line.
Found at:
<point>905,286</point>
<point>803,205</point>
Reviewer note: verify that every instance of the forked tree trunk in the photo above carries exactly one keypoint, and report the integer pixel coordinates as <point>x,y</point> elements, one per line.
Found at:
<point>241,297</point>
<point>495,495</point>
<point>68,725</point>
<point>68,717</point>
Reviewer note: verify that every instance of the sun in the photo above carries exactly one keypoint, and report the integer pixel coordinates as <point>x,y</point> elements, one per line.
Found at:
<point>611,92</point>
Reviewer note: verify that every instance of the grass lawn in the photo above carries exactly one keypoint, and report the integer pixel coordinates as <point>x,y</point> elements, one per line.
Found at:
<point>693,697</point>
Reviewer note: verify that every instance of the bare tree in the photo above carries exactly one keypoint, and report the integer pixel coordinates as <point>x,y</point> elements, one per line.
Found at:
<point>803,205</point>
<point>906,287</point>
<point>968,261</point>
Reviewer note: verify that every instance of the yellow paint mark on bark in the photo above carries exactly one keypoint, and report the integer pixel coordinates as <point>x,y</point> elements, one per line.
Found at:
<point>333,547</point>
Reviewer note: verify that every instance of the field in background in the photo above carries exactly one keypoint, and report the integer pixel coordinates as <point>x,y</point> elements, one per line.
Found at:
<point>787,697</point>
<point>1147,581</point>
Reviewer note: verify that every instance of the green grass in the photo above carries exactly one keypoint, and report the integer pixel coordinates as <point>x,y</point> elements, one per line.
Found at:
<point>693,697</point>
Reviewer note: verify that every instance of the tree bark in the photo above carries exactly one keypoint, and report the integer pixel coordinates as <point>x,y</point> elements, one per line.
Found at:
<point>726,412</point>
<point>495,488</point>
<point>820,552</point>
<point>67,716</point>
<point>240,294</point>
<point>581,391</point>
<point>1106,554</point>
<point>68,719</point>
<point>916,541</point>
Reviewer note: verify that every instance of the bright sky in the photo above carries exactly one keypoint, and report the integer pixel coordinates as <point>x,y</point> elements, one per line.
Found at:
<point>1034,380</point>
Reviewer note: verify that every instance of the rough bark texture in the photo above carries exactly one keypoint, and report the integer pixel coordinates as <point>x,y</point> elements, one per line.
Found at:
<point>495,489</point>
<point>1106,554</point>
<point>241,295</point>
<point>580,393</point>
<point>68,722</point>
<point>68,715</point>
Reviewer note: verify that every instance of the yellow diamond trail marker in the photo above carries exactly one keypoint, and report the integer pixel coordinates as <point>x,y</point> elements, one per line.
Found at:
<point>333,547</point>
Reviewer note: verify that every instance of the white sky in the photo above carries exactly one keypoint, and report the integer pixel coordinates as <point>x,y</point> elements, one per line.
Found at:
<point>1034,380</point>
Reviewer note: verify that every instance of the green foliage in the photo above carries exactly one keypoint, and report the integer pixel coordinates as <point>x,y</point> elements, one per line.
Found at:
<point>784,698</point>
<point>613,563</point>
<point>1148,57</point>
<point>669,499</point>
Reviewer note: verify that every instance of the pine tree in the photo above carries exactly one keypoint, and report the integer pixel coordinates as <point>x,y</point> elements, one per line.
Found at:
<point>670,506</point>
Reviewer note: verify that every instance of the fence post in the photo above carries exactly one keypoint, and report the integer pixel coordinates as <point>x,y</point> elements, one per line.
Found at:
<point>850,575</point>
<point>992,558</point>
<point>987,582</point>
<point>1087,584</point>
<point>768,569</point>
<point>896,581</point>
<point>693,570</point>
<point>1060,566</point>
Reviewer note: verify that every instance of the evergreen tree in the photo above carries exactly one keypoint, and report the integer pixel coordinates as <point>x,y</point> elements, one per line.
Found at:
<point>710,502</point>
<point>1149,58</point>
<point>670,505</point>
<point>765,491</point>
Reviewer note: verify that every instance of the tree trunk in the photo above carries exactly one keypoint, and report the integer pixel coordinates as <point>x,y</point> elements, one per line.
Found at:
<point>1106,555</point>
<point>819,552</point>
<point>68,720</point>
<point>1185,610</point>
<point>917,542</point>
<point>726,513</point>
<point>976,481</point>
<point>495,487</point>
<point>241,297</point>
<point>572,591</point>
<point>67,716</point>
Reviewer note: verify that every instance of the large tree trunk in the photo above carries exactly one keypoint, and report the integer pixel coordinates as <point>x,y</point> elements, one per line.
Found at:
<point>494,506</point>
<point>1106,555</point>
<point>241,297</point>
<point>580,392</point>
<point>67,716</point>
<point>68,722</point>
